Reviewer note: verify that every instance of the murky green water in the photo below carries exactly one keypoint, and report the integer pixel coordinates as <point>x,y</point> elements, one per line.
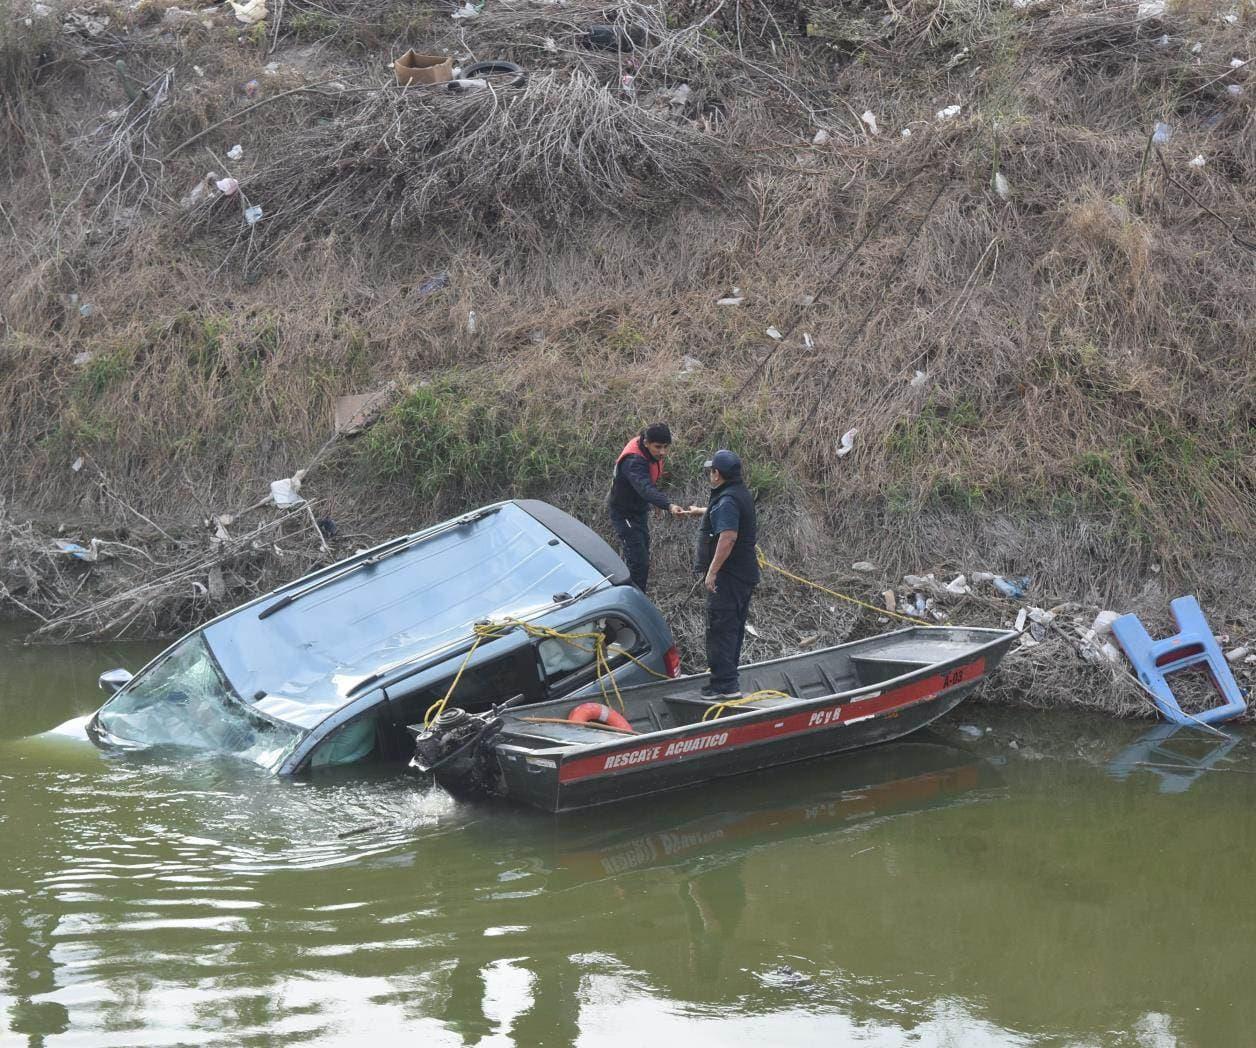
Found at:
<point>1016,888</point>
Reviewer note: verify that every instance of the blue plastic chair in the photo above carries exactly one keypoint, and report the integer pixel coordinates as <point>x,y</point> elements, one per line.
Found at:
<point>1193,645</point>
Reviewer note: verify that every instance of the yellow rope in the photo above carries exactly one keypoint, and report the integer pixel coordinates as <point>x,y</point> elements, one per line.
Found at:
<point>490,630</point>
<point>717,711</point>
<point>483,631</point>
<point>765,563</point>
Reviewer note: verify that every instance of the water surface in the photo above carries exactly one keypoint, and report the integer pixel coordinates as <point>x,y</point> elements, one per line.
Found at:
<point>1054,880</point>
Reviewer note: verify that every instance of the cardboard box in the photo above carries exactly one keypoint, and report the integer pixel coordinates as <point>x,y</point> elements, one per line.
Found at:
<point>413,68</point>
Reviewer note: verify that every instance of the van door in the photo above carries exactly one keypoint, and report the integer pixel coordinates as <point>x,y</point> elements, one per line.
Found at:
<point>495,674</point>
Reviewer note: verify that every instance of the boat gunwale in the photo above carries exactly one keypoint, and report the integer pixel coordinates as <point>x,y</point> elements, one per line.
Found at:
<point>851,695</point>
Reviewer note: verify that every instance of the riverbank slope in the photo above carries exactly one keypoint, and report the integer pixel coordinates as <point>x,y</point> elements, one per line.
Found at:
<point>945,227</point>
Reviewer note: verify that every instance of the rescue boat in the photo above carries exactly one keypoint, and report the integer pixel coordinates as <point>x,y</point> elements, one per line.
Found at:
<point>801,707</point>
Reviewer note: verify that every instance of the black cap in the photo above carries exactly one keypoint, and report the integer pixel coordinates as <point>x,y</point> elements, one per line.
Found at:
<point>657,433</point>
<point>726,462</point>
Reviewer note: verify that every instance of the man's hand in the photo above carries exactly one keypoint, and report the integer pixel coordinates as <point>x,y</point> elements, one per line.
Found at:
<point>675,510</point>
<point>710,581</point>
<point>695,511</point>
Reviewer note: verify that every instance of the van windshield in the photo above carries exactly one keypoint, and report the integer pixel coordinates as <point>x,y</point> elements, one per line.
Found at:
<point>186,701</point>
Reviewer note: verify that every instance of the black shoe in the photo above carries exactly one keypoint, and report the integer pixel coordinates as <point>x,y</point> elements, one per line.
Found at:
<point>714,693</point>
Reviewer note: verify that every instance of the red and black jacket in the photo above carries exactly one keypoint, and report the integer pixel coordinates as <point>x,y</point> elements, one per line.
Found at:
<point>634,487</point>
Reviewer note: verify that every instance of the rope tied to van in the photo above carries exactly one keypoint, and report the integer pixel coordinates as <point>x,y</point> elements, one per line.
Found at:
<point>598,648</point>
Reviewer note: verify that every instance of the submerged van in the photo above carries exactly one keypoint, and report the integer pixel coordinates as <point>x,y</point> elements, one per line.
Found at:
<point>330,669</point>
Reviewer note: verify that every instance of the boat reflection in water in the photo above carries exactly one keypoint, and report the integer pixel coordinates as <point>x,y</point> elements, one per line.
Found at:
<point>703,849</point>
<point>824,798</point>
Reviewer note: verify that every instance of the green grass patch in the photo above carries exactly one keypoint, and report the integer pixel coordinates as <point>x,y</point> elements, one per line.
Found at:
<point>458,441</point>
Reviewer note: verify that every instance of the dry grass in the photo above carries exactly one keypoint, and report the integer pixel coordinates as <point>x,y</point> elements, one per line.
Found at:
<point>1087,409</point>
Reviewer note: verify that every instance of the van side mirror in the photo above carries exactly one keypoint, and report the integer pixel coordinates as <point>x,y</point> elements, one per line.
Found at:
<point>114,680</point>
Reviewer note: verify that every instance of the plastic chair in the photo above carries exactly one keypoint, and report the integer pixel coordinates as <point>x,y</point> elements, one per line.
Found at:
<point>1193,645</point>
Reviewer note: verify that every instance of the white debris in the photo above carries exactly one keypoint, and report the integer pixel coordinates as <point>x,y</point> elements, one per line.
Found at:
<point>821,138</point>
<point>286,492</point>
<point>1110,651</point>
<point>1043,618</point>
<point>550,44</point>
<point>1161,134</point>
<point>949,113</point>
<point>773,333</point>
<point>472,322</point>
<point>1102,626</point>
<point>918,379</point>
<point>680,97</point>
<point>1163,41</point>
<point>1196,48</point>
<point>1234,89</point>
<point>41,10</point>
<point>983,576</point>
<point>227,186</point>
<point>958,585</point>
<point>84,358</point>
<point>235,152</point>
<point>1237,654</point>
<point>199,191</point>
<point>467,10</point>
<point>808,341</point>
<point>1001,187</point>
<point>1151,9</point>
<point>847,443</point>
<point>1237,63</point>
<point>863,565</point>
<point>751,630</point>
<point>730,300</point>
<point>906,132</point>
<point>1021,616</point>
<point>1199,161</point>
<point>253,215</point>
<point>688,365</point>
<point>249,12</point>
<point>870,121</point>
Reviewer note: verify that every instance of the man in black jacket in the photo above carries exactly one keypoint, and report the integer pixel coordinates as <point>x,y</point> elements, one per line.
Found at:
<point>634,489</point>
<point>731,565</point>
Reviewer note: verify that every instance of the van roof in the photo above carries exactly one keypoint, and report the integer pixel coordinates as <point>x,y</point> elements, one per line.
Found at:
<point>299,653</point>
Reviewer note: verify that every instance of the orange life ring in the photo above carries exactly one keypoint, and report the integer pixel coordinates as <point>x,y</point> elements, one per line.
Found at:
<point>596,711</point>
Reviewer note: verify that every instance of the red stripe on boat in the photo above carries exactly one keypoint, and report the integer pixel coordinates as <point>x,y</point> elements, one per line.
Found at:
<point>770,727</point>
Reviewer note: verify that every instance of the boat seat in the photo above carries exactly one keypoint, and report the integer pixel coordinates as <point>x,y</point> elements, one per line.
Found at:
<point>876,669</point>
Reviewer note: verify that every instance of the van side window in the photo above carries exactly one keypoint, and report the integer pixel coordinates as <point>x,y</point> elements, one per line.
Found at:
<point>562,658</point>
<point>348,744</point>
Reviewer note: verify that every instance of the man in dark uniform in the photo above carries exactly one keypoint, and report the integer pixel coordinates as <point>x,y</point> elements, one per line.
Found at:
<point>634,489</point>
<point>732,571</point>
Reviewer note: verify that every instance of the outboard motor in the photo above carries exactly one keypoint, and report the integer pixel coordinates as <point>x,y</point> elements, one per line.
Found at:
<point>450,750</point>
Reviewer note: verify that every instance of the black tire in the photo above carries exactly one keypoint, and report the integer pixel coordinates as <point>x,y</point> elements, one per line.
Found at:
<point>489,68</point>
